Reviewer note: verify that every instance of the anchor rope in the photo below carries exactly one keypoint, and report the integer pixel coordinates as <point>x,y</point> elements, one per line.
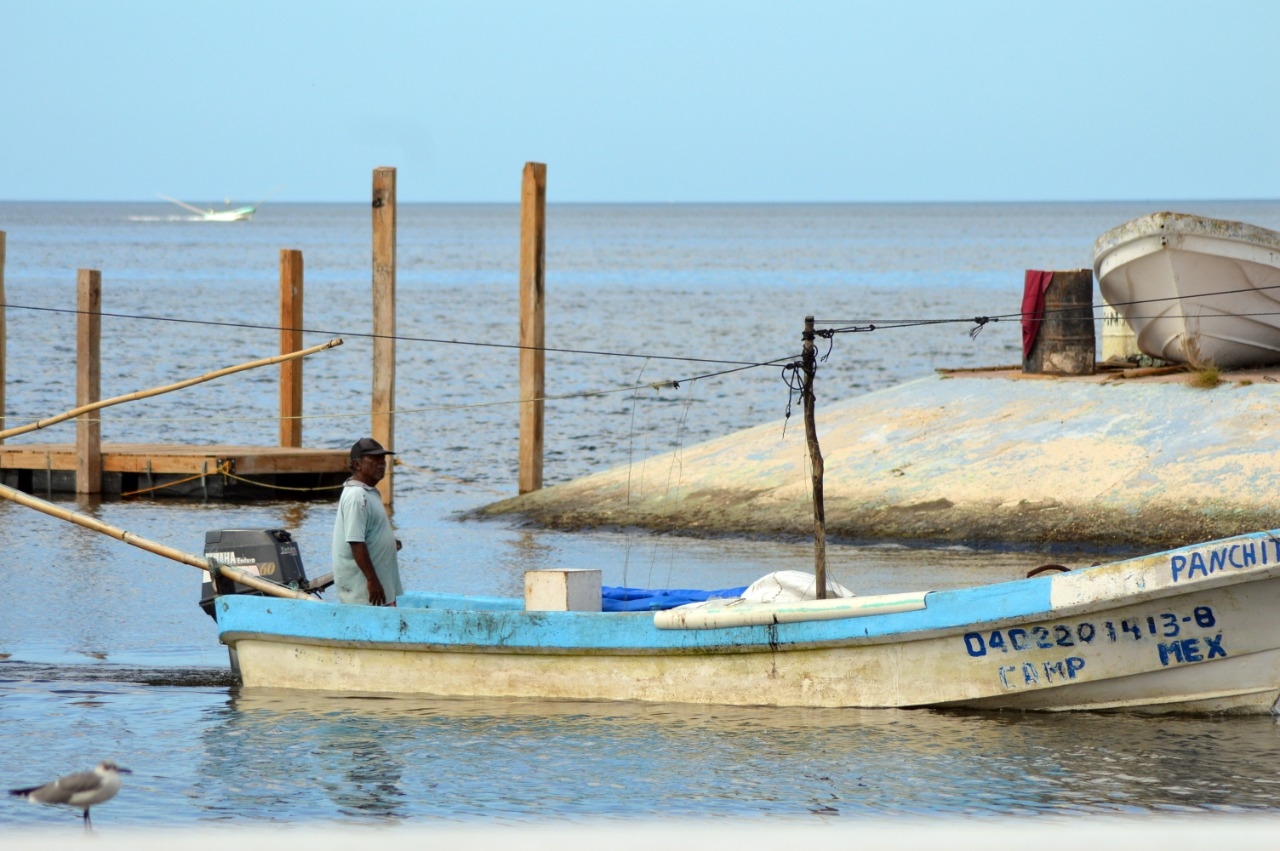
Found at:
<point>224,470</point>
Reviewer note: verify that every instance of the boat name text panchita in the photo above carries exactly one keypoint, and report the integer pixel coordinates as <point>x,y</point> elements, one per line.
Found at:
<point>1238,556</point>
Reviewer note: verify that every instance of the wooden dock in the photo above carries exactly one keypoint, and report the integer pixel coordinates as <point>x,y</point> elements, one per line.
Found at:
<point>182,471</point>
<point>90,465</point>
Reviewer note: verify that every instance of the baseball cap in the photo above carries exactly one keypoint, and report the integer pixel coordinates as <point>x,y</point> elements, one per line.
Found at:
<point>368,446</point>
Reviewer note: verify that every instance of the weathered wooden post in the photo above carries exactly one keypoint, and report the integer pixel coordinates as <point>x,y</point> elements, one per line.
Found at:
<point>290,341</point>
<point>533,357</point>
<point>384,317</point>
<point>809,363</point>
<point>4,309</point>
<point>1058,336</point>
<point>88,380</point>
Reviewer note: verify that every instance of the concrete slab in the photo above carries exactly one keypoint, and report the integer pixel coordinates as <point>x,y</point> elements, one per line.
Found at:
<point>982,457</point>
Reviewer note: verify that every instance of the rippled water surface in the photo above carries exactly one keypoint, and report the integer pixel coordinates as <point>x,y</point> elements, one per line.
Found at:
<point>106,654</point>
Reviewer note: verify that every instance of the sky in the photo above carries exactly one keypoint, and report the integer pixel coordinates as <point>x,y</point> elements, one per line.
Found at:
<point>641,100</point>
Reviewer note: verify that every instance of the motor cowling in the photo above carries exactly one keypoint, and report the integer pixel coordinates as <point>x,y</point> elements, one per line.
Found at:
<point>270,553</point>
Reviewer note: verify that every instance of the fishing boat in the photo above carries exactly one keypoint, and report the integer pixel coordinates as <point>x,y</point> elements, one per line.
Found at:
<point>1187,630</point>
<point>1195,290</point>
<point>208,214</point>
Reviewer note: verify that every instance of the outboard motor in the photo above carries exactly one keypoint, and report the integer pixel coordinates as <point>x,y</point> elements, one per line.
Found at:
<point>270,553</point>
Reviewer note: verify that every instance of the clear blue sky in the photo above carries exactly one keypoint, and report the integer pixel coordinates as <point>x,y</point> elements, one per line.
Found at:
<point>641,100</point>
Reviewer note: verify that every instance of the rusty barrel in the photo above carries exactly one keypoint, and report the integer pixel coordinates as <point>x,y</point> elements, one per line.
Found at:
<point>1066,343</point>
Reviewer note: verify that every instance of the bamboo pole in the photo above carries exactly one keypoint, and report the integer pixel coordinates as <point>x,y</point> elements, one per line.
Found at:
<point>88,379</point>
<point>4,309</point>
<point>290,341</point>
<point>809,362</point>
<point>533,357</point>
<point>209,565</point>
<point>168,388</point>
<point>384,318</point>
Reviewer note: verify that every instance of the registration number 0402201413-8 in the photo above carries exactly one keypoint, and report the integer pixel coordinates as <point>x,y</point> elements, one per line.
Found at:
<point>1168,630</point>
<point>1165,626</point>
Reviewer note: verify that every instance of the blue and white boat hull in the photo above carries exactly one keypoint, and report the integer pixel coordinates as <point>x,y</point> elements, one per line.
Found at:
<point>1193,629</point>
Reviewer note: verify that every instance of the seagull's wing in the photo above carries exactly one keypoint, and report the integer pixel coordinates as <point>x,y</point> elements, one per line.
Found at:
<point>63,789</point>
<point>81,781</point>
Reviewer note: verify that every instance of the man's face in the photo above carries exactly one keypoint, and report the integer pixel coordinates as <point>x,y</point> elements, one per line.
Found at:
<point>370,468</point>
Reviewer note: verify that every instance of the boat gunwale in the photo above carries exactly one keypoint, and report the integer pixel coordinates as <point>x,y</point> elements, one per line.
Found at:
<point>750,638</point>
<point>1157,224</point>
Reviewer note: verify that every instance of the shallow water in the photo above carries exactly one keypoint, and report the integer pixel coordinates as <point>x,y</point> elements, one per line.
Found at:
<point>207,753</point>
<point>108,655</point>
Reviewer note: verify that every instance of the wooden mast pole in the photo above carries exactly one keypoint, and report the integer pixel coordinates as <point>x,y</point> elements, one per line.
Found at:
<point>533,356</point>
<point>290,341</point>
<point>168,388</point>
<point>209,565</point>
<point>810,366</point>
<point>384,318</point>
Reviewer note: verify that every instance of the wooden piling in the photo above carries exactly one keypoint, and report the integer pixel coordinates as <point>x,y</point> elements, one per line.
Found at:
<point>88,380</point>
<point>384,317</point>
<point>4,309</point>
<point>290,341</point>
<point>533,202</point>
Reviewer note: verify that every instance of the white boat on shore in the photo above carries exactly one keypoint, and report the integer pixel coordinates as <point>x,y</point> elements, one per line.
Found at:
<point>1195,290</point>
<point>1188,630</point>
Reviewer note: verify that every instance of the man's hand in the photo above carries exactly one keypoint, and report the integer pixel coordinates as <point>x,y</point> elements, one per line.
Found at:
<point>360,552</point>
<point>377,596</point>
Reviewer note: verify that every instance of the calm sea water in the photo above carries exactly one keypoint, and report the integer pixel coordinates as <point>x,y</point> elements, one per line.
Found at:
<point>106,653</point>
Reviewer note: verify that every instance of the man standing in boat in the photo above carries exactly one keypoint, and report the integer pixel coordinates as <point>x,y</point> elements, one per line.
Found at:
<point>365,568</point>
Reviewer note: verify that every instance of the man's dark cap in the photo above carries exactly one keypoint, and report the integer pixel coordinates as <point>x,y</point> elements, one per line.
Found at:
<point>368,446</point>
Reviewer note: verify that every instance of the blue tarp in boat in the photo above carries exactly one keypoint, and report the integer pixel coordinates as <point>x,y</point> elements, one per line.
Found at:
<point>618,599</point>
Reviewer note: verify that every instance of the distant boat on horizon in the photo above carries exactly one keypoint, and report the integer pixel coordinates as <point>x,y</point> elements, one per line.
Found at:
<point>231,214</point>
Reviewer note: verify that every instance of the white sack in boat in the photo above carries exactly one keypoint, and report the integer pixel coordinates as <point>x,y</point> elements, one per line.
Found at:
<point>790,586</point>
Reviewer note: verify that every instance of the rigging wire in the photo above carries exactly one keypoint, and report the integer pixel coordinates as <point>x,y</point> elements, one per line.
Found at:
<point>790,366</point>
<point>396,337</point>
<point>673,384</point>
<point>848,326</point>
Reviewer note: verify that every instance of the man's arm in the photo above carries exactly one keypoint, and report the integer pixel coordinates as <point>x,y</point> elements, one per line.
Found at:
<point>360,552</point>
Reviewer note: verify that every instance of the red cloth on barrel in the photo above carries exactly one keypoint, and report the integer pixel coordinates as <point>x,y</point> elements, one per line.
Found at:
<point>1033,307</point>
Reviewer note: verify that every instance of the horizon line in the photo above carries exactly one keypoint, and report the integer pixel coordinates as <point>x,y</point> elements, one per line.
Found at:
<point>652,203</point>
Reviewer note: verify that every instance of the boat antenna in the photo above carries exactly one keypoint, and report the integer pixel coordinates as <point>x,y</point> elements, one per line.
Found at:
<point>809,366</point>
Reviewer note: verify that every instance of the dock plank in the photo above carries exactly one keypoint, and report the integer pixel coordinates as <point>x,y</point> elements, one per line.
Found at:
<point>169,459</point>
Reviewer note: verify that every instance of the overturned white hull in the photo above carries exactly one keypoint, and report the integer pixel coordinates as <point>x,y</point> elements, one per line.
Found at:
<point>1195,290</point>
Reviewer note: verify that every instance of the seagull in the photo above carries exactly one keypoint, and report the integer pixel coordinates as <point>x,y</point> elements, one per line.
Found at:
<point>80,790</point>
